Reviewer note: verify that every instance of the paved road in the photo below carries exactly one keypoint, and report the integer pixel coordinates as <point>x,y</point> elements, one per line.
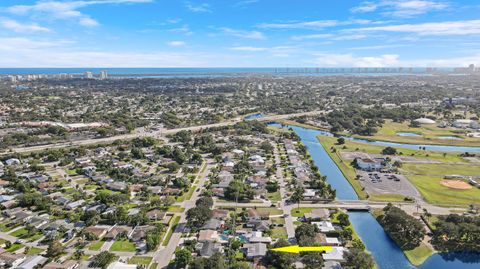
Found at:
<point>359,205</point>
<point>283,205</point>
<point>157,134</point>
<point>163,256</point>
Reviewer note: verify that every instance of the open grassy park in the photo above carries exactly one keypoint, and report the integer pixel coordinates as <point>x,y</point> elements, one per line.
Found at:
<point>429,134</point>
<point>426,177</point>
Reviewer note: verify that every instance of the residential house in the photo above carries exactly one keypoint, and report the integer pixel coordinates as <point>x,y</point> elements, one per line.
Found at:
<point>257,250</point>
<point>324,226</point>
<point>32,262</point>
<point>156,214</point>
<point>336,254</point>
<point>318,214</point>
<point>207,235</point>
<point>8,259</point>
<point>66,265</point>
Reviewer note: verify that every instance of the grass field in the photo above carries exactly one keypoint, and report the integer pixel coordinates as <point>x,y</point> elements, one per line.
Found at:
<point>123,246</point>
<point>418,255</point>
<point>429,134</point>
<point>140,260</point>
<point>425,177</point>
<point>435,193</point>
<point>441,169</point>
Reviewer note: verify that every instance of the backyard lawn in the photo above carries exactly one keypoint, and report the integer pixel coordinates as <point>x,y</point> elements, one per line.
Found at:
<point>123,246</point>
<point>419,254</point>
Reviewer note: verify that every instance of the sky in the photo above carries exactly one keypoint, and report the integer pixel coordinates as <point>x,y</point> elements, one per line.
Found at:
<point>239,33</point>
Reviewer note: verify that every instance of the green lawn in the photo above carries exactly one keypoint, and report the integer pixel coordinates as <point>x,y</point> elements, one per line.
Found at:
<point>435,193</point>
<point>270,210</point>
<point>418,255</point>
<point>274,196</point>
<point>140,260</point>
<point>279,232</point>
<point>123,246</point>
<point>299,212</point>
<point>14,247</point>
<point>186,195</point>
<point>441,169</point>
<point>19,233</point>
<point>381,197</point>
<point>277,220</point>
<point>172,225</point>
<point>34,250</point>
<point>175,209</point>
<point>34,237</point>
<point>97,245</point>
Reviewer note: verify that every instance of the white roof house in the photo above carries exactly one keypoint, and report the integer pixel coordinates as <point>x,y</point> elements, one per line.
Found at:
<point>121,265</point>
<point>324,226</point>
<point>336,254</point>
<point>32,261</point>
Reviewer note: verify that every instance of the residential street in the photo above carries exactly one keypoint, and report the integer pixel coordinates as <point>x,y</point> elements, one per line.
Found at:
<point>165,254</point>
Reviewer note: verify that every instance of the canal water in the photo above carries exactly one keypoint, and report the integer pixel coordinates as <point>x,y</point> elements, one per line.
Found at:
<point>386,253</point>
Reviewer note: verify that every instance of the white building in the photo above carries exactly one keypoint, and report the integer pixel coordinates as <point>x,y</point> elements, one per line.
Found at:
<point>103,75</point>
<point>88,75</point>
<point>324,226</point>
<point>369,164</point>
<point>465,123</point>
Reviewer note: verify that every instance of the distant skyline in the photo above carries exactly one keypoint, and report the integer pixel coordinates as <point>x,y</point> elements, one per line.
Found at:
<point>239,33</point>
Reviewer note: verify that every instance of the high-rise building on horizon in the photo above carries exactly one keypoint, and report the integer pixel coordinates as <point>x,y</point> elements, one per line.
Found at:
<point>103,75</point>
<point>88,75</point>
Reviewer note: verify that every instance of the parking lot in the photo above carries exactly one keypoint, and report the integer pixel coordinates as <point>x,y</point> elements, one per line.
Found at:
<point>388,183</point>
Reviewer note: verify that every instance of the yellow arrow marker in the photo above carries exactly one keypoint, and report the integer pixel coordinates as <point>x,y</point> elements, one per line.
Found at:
<point>298,249</point>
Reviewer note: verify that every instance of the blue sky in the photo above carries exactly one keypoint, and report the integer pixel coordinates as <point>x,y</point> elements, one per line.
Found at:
<point>239,33</point>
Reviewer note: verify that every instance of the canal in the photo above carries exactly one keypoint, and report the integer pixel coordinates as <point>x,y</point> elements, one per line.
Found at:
<point>386,253</point>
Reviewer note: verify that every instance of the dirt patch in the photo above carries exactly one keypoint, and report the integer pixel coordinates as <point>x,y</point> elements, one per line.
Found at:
<point>456,184</point>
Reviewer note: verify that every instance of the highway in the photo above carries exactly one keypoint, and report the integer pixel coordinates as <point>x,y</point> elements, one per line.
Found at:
<point>157,134</point>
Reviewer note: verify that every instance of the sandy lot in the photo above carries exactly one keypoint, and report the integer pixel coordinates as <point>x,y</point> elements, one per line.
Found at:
<point>456,184</point>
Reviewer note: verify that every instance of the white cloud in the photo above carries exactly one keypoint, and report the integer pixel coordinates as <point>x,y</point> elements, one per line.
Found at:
<point>349,60</point>
<point>329,37</point>
<point>176,43</point>
<point>242,33</point>
<point>428,29</point>
<point>401,8</point>
<point>59,10</point>
<point>21,27</point>
<point>318,24</point>
<point>248,48</point>
<point>300,25</point>
<point>201,8</point>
